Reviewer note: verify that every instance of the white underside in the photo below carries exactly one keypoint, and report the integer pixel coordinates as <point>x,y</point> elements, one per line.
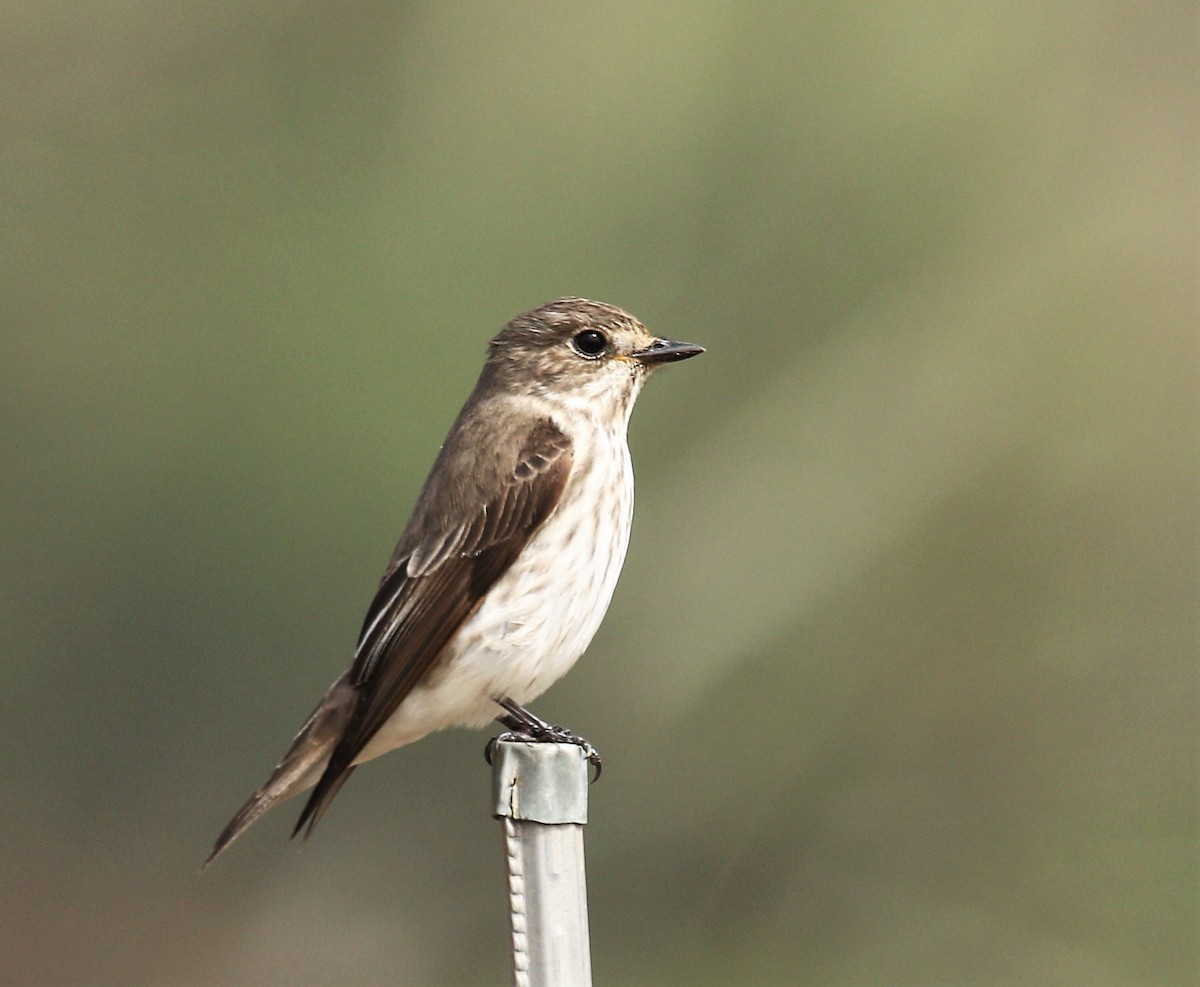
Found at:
<point>542,614</point>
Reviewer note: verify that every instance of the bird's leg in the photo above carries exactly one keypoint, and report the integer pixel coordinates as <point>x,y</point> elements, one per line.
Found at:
<point>521,720</point>
<point>526,726</point>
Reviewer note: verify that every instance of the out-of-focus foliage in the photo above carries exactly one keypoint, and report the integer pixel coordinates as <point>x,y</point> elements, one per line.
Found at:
<point>899,686</point>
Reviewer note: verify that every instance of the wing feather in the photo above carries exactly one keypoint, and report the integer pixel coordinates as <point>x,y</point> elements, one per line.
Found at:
<point>438,576</point>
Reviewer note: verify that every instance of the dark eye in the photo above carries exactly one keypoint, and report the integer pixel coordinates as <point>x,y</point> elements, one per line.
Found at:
<point>589,342</point>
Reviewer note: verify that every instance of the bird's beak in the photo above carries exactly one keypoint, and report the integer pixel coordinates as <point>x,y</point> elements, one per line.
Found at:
<point>666,351</point>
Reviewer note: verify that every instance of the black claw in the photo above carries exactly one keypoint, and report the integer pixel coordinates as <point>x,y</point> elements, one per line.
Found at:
<point>525,726</point>
<point>489,748</point>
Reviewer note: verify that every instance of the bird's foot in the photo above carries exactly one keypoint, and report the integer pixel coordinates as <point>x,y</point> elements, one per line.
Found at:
<point>525,727</point>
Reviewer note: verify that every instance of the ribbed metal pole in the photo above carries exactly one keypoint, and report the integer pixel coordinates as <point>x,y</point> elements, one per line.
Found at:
<point>541,801</point>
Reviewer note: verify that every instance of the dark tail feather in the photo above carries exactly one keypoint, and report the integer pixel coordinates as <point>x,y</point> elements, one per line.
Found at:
<point>301,767</point>
<point>319,801</point>
<point>255,806</point>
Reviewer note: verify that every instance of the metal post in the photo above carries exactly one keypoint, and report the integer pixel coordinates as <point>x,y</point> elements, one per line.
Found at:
<point>541,800</point>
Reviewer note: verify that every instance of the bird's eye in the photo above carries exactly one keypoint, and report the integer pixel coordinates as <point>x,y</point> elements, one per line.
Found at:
<point>590,343</point>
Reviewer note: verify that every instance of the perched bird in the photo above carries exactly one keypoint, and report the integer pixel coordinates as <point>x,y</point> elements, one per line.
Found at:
<point>508,563</point>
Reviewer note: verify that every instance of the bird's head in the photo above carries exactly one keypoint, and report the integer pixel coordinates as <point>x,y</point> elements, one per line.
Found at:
<point>581,350</point>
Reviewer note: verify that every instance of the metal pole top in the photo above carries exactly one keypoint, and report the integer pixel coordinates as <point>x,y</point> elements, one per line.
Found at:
<point>545,783</point>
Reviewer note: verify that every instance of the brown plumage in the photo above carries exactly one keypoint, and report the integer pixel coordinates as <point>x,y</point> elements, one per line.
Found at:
<point>483,598</point>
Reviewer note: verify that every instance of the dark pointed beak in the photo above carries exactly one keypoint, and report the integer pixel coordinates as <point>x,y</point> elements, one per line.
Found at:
<point>666,351</point>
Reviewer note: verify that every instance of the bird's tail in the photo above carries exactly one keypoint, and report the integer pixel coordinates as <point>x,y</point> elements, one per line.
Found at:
<point>301,766</point>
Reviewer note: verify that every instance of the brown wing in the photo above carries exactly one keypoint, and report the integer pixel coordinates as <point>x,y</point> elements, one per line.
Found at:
<point>440,572</point>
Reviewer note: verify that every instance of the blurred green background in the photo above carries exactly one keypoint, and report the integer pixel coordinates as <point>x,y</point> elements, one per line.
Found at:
<point>899,686</point>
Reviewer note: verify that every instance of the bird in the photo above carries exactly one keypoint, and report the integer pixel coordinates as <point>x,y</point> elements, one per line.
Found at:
<point>508,563</point>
